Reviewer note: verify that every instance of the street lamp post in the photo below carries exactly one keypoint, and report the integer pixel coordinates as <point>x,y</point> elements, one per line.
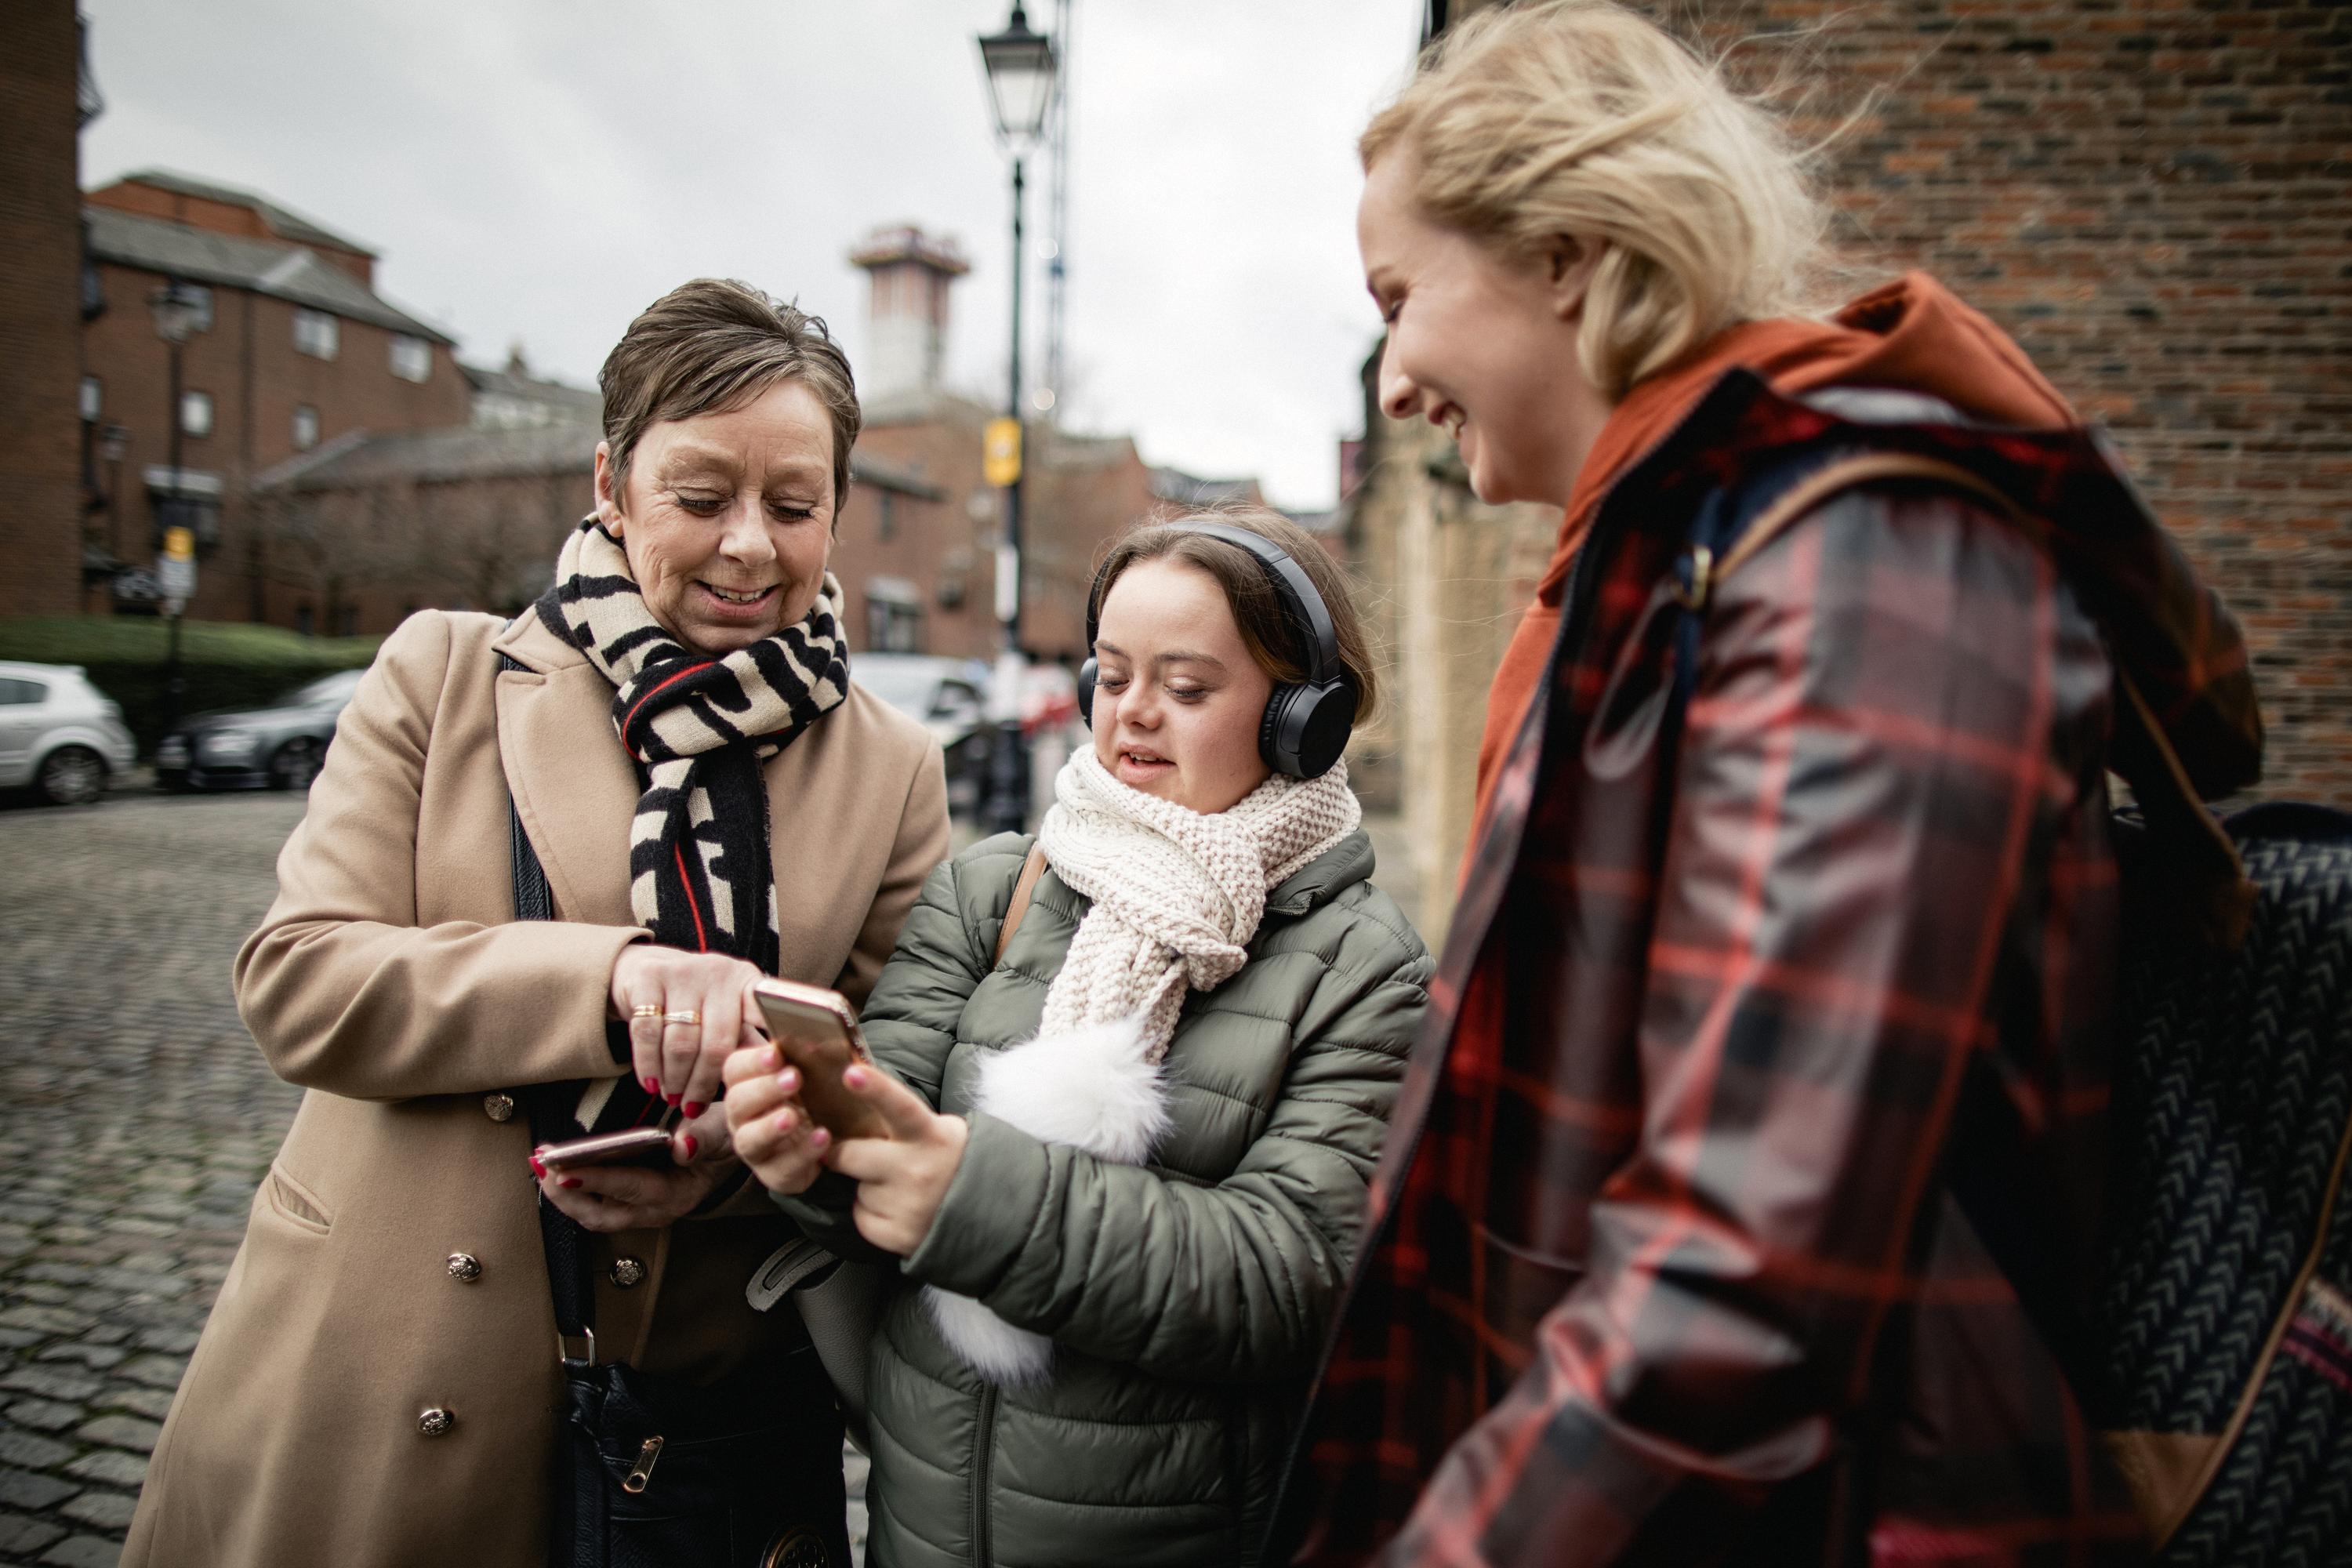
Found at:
<point>1020,66</point>
<point>174,307</point>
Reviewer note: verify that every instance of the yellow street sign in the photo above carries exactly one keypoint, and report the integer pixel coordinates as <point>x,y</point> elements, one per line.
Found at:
<point>179,544</point>
<point>1000,452</point>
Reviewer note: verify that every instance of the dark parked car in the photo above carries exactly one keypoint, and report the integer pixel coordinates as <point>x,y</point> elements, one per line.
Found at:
<point>950,698</point>
<point>280,746</point>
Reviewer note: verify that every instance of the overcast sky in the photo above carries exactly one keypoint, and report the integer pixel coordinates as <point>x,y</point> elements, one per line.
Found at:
<point>540,171</point>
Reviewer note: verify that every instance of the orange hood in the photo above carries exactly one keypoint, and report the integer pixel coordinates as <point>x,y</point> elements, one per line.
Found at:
<point>1913,334</point>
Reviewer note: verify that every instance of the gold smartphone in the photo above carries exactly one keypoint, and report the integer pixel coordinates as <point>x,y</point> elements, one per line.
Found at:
<point>646,1146</point>
<point>816,1030</point>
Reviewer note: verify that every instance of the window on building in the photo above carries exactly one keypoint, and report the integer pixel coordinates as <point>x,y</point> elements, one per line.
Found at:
<point>306,428</point>
<point>93,399</point>
<point>893,625</point>
<point>317,334</point>
<point>411,358</point>
<point>195,413</point>
<point>304,619</point>
<point>887,527</point>
<point>200,318</point>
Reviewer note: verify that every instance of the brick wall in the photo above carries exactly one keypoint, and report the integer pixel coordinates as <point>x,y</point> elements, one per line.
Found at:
<point>2154,196</point>
<point>40,252</point>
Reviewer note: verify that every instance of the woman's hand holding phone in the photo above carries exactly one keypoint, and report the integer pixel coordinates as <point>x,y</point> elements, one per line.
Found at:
<point>902,1176</point>
<point>633,1198</point>
<point>771,1130</point>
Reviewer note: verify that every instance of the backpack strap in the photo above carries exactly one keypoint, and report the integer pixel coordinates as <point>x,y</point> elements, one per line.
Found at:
<point>2013,1225</point>
<point>1030,869</point>
<point>2216,895</point>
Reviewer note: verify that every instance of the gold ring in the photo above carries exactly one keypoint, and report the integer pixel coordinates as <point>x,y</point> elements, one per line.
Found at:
<point>683,1015</point>
<point>646,1010</point>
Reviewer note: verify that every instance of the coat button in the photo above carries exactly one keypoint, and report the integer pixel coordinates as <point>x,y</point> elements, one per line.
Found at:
<point>499,1107</point>
<point>435,1421</point>
<point>465,1267</point>
<point>628,1271</point>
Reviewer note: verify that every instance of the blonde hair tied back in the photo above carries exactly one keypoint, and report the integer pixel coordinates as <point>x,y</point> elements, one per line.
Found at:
<point>1582,119</point>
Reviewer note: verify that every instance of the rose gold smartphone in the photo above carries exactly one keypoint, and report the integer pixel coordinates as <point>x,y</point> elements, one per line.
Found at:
<point>816,1029</point>
<point>632,1146</point>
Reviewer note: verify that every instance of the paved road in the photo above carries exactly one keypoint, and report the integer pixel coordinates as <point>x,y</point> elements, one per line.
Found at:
<point>138,1117</point>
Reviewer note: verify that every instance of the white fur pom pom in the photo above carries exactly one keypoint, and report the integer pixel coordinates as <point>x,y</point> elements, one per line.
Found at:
<point>1006,1356</point>
<point>1093,1089</point>
<point>1090,1088</point>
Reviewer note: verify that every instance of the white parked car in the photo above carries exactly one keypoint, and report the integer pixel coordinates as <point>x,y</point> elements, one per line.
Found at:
<point>58,734</point>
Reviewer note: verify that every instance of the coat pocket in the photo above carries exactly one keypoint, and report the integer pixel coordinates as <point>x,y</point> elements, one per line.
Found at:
<point>295,1204</point>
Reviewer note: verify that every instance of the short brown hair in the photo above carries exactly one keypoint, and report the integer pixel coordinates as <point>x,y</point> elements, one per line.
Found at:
<point>1280,645</point>
<point>715,344</point>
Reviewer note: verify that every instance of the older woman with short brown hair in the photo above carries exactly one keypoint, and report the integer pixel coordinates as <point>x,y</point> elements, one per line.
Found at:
<point>665,762</point>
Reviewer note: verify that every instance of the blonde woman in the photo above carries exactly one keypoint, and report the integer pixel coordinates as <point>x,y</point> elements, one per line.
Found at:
<point>1782,966</point>
<point>1137,1090</point>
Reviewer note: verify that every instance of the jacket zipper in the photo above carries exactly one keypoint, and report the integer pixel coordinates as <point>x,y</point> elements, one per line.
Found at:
<point>983,1440</point>
<point>1575,618</point>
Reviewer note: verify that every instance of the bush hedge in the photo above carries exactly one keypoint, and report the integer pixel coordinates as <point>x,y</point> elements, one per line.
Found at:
<point>223,664</point>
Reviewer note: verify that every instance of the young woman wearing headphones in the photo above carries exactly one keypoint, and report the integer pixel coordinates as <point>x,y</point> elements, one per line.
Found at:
<point>1138,1072</point>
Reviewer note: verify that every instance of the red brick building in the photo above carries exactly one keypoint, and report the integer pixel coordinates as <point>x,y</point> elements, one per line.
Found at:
<point>43,102</point>
<point>1079,491</point>
<point>295,349</point>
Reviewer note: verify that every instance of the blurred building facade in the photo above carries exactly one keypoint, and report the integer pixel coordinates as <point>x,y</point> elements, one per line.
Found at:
<point>45,98</point>
<point>293,348</point>
<point>2153,199</point>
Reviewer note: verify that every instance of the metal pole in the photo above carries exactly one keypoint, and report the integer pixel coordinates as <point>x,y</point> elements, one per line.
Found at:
<point>1008,795</point>
<point>173,686</point>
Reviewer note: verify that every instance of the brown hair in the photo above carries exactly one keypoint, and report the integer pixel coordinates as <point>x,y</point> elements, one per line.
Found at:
<point>715,344</point>
<point>1582,119</point>
<point>1280,647</point>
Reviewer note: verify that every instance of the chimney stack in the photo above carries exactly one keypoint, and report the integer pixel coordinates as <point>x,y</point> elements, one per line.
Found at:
<point>907,311</point>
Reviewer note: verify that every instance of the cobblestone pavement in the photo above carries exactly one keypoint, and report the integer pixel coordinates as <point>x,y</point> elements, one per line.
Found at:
<point>139,1117</point>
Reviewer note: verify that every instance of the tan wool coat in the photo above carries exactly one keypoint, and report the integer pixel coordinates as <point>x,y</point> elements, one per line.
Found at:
<point>392,981</point>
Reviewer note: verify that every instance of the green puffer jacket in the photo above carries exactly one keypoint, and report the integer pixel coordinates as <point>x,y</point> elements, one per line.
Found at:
<point>1189,1298</point>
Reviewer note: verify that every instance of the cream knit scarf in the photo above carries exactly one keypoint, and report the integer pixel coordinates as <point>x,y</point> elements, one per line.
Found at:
<point>1177,897</point>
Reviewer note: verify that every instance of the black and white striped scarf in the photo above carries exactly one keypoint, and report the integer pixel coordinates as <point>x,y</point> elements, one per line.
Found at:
<point>699,728</point>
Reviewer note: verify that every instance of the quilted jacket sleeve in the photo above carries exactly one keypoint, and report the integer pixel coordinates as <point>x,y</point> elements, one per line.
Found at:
<point>1231,1282</point>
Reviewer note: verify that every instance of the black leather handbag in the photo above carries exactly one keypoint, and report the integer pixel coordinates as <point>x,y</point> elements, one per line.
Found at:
<point>654,1472</point>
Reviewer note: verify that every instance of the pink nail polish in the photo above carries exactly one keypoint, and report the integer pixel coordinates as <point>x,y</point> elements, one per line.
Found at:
<point>819,1138</point>
<point>568,1182</point>
<point>693,1109</point>
<point>788,1080</point>
<point>671,1098</point>
<point>853,1077</point>
<point>690,1145</point>
<point>537,1169</point>
<point>653,1086</point>
<point>783,1121</point>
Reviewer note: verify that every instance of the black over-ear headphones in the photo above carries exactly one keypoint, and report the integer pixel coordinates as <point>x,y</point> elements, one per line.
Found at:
<point>1306,723</point>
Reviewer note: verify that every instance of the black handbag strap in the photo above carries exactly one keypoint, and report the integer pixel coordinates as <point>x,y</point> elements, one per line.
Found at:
<point>570,1281</point>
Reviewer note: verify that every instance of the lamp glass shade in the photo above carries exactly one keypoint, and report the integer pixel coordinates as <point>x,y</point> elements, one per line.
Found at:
<point>1021,67</point>
<point>174,309</point>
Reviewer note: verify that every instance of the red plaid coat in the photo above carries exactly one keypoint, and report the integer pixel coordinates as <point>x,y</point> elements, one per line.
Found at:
<point>1664,1266</point>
